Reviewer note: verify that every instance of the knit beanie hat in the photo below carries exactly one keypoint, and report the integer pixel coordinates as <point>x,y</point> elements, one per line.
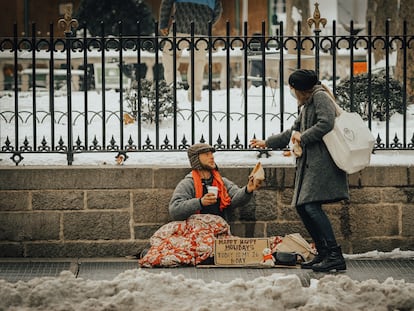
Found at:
<point>303,79</point>
<point>193,153</point>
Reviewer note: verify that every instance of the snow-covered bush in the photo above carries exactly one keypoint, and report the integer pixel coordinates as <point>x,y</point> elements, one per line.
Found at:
<point>378,95</point>
<point>143,95</point>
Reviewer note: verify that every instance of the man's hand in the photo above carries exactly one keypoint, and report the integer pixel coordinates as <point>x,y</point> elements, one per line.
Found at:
<point>253,184</point>
<point>208,199</point>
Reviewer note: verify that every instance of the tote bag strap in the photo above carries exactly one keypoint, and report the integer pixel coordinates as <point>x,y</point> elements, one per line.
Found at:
<point>338,109</point>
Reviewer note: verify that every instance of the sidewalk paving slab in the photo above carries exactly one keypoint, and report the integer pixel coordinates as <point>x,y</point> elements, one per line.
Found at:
<point>17,269</point>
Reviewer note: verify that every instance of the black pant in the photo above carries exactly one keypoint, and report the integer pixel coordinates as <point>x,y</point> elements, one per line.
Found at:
<point>318,225</point>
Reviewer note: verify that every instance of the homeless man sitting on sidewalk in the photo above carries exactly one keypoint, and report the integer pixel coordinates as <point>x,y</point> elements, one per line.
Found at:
<point>198,216</point>
<point>191,196</point>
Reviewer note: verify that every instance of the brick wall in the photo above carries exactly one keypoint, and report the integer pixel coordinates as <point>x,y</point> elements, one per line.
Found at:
<point>113,211</point>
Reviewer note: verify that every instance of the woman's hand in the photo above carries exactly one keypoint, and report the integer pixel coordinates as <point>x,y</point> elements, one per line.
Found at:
<point>257,143</point>
<point>296,137</point>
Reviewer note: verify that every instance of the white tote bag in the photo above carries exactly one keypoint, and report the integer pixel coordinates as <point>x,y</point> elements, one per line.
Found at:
<point>350,142</point>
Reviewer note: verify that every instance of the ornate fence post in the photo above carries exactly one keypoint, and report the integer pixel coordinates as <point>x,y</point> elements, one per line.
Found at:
<point>317,20</point>
<point>66,24</point>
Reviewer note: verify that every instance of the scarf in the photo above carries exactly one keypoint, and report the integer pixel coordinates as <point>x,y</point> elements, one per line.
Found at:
<point>224,197</point>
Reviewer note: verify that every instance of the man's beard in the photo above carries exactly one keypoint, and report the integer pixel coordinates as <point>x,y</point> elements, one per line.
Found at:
<point>208,167</point>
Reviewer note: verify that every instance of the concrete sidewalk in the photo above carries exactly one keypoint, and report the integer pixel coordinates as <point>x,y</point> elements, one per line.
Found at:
<point>13,270</point>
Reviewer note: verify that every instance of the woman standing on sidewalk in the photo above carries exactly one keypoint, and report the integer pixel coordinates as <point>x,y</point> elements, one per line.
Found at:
<point>318,180</point>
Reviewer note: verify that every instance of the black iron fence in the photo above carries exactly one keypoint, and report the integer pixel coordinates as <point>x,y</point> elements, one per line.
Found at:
<point>81,94</point>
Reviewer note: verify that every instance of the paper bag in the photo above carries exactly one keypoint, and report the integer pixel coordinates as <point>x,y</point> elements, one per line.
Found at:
<point>297,150</point>
<point>294,242</point>
<point>258,174</point>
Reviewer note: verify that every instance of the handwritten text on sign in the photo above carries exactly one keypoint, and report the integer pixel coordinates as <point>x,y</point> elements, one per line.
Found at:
<point>239,251</point>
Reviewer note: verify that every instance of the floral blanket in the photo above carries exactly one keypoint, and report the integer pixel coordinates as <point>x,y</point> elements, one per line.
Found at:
<point>190,242</point>
<point>187,242</point>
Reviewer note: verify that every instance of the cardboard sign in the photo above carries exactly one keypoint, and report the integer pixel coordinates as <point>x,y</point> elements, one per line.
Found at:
<point>239,251</point>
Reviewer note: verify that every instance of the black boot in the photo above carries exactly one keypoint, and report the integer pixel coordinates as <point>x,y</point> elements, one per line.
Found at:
<point>322,252</point>
<point>333,261</point>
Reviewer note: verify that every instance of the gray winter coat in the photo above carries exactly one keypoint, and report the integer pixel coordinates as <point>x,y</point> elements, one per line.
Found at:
<point>183,202</point>
<point>187,12</point>
<point>317,178</point>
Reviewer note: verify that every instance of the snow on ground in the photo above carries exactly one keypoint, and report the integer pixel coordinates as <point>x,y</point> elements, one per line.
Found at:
<point>138,289</point>
<point>396,253</point>
<point>219,126</point>
<point>179,159</point>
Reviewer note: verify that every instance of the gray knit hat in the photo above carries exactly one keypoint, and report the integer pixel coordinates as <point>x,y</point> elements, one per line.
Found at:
<point>193,153</point>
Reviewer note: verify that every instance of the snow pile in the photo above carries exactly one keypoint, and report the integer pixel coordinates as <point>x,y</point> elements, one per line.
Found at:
<point>140,290</point>
<point>396,253</point>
